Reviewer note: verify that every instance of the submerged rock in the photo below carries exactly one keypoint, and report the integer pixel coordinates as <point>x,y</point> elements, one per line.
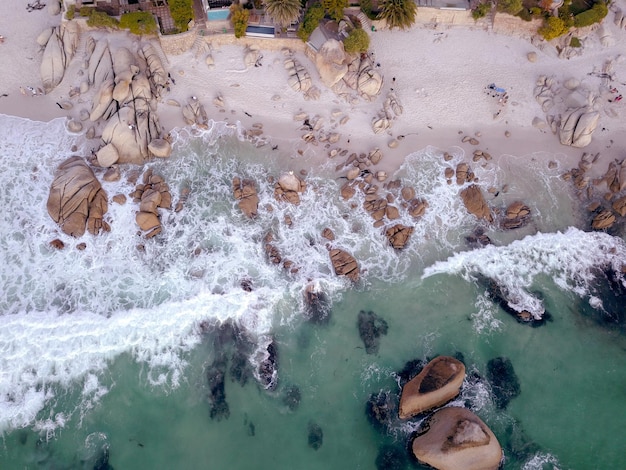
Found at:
<point>380,410</point>
<point>371,328</point>
<point>268,368</point>
<point>291,397</point>
<point>457,439</point>
<point>437,384</point>
<point>216,373</point>
<point>317,304</point>
<point>504,382</point>
<point>391,458</point>
<point>316,435</point>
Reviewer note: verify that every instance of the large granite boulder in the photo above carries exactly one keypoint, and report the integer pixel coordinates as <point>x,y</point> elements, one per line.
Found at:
<point>475,203</point>
<point>457,439</point>
<point>298,77</point>
<point>77,200</point>
<point>59,50</point>
<point>577,126</point>
<point>344,264</point>
<point>330,61</point>
<point>245,192</point>
<point>516,215</point>
<point>438,383</point>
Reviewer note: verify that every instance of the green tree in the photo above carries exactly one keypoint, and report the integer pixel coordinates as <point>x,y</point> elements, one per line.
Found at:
<point>139,22</point>
<point>99,19</point>
<point>357,41</point>
<point>512,7</point>
<point>335,8</point>
<point>553,27</point>
<point>312,18</point>
<point>182,13</point>
<point>398,13</point>
<point>239,18</point>
<point>283,12</point>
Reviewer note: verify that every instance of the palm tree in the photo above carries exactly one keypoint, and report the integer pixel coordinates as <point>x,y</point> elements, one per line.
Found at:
<point>399,13</point>
<point>283,12</point>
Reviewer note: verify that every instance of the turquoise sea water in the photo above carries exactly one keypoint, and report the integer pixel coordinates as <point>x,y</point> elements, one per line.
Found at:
<point>106,353</point>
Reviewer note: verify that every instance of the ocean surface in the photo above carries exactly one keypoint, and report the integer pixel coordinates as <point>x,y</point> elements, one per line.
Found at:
<point>145,354</point>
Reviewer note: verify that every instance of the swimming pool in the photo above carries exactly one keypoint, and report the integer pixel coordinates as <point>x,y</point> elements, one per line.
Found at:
<point>218,15</point>
<point>260,31</point>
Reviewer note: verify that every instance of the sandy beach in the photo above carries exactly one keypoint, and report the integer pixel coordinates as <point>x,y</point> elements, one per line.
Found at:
<point>440,81</point>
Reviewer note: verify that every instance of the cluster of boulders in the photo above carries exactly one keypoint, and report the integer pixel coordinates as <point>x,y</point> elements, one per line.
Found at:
<point>151,194</point>
<point>452,437</point>
<point>384,120</point>
<point>77,200</point>
<point>515,215</point>
<point>195,114</point>
<point>575,124</point>
<point>245,193</point>
<point>606,196</point>
<point>315,132</point>
<point>289,187</point>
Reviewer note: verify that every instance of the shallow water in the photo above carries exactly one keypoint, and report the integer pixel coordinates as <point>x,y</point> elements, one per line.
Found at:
<point>105,352</point>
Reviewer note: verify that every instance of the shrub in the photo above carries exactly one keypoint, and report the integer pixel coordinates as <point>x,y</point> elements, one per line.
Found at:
<point>575,42</point>
<point>367,8</point>
<point>595,15</point>
<point>311,20</point>
<point>525,14</point>
<point>481,10</point>
<point>71,12</point>
<point>86,11</point>
<point>139,22</point>
<point>536,12</point>
<point>512,7</point>
<point>553,27</point>
<point>239,18</point>
<point>357,41</point>
<point>182,13</point>
<point>98,19</point>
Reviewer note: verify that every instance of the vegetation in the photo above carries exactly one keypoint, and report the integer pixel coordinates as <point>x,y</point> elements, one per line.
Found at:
<point>575,42</point>
<point>334,8</point>
<point>367,8</point>
<point>481,10</point>
<point>512,7</point>
<point>595,15</point>
<point>182,13</point>
<point>71,12</point>
<point>398,13</point>
<point>86,11</point>
<point>357,41</point>
<point>98,19</point>
<point>553,27</point>
<point>239,18</point>
<point>283,12</point>
<point>139,22</point>
<point>311,20</point>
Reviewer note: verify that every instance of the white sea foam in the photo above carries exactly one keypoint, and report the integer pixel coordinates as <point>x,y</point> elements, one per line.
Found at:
<point>66,314</point>
<point>569,258</point>
<point>542,461</point>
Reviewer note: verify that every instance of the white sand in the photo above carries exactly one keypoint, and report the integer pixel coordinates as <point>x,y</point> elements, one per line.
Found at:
<point>440,78</point>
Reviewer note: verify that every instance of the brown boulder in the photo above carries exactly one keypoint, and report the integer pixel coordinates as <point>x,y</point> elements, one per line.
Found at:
<point>392,212</point>
<point>516,215</point>
<point>328,234</point>
<point>344,264</point>
<point>605,219</point>
<point>438,383</point>
<point>462,173</point>
<point>619,206</point>
<point>417,207</point>
<point>475,203</point>
<point>77,200</point>
<point>150,200</point>
<point>347,191</point>
<point>147,220</point>
<point>457,439</point>
<point>245,192</point>
<point>398,235</point>
<point>407,193</point>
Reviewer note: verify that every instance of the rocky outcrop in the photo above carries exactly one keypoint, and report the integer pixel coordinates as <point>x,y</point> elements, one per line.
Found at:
<point>77,200</point>
<point>330,61</point>
<point>245,192</point>
<point>371,328</point>
<point>153,193</point>
<point>298,77</point>
<point>288,188</point>
<point>438,383</point>
<point>516,215</point>
<point>344,264</point>
<point>456,439</point>
<point>398,235</point>
<point>475,203</point>
<point>603,220</point>
<point>577,126</point>
<point>195,114</point>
